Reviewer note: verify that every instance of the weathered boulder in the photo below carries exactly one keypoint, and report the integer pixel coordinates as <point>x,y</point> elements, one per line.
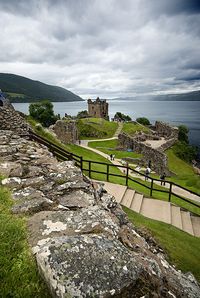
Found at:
<point>88,266</point>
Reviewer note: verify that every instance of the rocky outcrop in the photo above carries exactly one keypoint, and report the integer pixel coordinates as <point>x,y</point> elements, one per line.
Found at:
<point>83,242</point>
<point>66,131</point>
<point>11,119</point>
<point>166,130</point>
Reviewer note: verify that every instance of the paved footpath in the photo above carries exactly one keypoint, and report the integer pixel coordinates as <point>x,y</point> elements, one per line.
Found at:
<point>176,189</point>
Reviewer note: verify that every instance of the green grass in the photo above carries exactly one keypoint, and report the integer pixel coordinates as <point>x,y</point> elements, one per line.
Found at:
<point>19,275</point>
<point>132,128</point>
<point>109,147</point>
<point>95,128</point>
<point>185,175</point>
<point>11,94</point>
<point>182,248</point>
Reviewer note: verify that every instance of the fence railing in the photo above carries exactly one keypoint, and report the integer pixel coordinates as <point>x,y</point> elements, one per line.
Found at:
<point>126,171</point>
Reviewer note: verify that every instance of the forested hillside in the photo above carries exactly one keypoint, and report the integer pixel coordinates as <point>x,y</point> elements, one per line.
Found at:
<point>21,89</point>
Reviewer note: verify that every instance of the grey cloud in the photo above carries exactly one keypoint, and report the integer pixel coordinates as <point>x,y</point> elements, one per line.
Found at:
<point>107,47</point>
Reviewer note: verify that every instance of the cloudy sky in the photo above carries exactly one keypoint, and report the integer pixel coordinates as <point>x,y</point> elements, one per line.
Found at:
<point>106,48</point>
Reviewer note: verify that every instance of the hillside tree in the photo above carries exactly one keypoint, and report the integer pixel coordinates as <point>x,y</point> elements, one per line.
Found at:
<point>43,112</point>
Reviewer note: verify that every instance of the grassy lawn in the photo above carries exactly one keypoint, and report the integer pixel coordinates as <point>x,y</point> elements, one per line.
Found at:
<point>11,94</point>
<point>182,248</point>
<point>132,128</point>
<point>18,270</point>
<point>185,175</point>
<point>95,128</point>
<point>109,147</point>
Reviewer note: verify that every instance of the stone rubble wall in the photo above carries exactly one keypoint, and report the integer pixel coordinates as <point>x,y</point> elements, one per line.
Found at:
<point>12,120</point>
<point>66,131</point>
<point>168,144</point>
<point>166,130</point>
<point>83,242</point>
<point>157,157</point>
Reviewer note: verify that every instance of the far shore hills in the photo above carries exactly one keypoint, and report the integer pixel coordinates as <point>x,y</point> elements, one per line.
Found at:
<point>23,90</point>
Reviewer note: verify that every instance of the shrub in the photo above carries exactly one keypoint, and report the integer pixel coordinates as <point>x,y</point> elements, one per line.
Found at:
<point>82,114</point>
<point>43,112</point>
<point>143,121</point>
<point>183,134</point>
<point>122,117</point>
<point>185,151</point>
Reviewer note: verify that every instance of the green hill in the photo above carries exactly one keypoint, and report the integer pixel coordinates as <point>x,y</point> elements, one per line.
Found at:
<point>21,89</point>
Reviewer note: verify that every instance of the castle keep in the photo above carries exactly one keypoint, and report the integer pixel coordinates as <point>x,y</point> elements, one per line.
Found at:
<point>98,108</point>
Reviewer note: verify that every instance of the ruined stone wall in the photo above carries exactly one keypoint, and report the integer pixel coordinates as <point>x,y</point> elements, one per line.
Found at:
<point>66,131</point>
<point>82,240</point>
<point>166,130</point>
<point>157,157</point>
<point>12,120</point>
<point>169,143</point>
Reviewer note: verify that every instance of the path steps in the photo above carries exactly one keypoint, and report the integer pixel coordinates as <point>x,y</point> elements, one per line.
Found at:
<point>155,209</point>
<point>119,129</point>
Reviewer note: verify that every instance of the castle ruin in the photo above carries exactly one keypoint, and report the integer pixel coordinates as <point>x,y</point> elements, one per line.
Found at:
<point>98,108</point>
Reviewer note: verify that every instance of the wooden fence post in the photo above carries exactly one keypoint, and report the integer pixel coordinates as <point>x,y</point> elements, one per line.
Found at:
<point>151,190</point>
<point>90,169</point>
<point>127,176</point>
<point>107,175</point>
<point>81,163</point>
<point>170,191</point>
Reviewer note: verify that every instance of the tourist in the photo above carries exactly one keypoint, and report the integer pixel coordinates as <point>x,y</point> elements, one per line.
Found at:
<point>147,172</point>
<point>162,178</point>
<point>111,156</point>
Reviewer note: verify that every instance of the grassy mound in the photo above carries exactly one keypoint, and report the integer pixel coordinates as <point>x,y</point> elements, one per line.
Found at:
<point>185,175</point>
<point>182,248</point>
<point>91,128</point>
<point>132,128</point>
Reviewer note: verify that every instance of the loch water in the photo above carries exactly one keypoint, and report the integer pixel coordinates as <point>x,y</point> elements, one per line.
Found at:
<point>173,112</point>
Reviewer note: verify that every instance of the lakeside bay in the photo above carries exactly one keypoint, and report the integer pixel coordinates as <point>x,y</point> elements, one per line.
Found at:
<point>174,112</point>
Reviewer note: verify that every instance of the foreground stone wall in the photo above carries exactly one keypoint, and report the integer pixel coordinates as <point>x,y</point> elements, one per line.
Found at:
<point>82,240</point>
<point>66,131</point>
<point>157,157</point>
<point>12,120</point>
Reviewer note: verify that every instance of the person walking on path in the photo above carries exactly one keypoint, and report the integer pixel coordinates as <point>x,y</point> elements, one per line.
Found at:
<point>162,178</point>
<point>147,172</point>
<point>111,157</point>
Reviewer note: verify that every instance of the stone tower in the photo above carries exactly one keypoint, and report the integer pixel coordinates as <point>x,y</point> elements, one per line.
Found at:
<point>98,108</point>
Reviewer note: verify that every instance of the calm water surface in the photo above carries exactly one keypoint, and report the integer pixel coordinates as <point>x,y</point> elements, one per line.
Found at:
<point>174,112</point>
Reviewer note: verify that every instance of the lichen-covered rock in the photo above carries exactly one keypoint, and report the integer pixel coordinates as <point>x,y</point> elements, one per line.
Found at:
<point>84,221</point>
<point>33,206</point>
<point>87,266</point>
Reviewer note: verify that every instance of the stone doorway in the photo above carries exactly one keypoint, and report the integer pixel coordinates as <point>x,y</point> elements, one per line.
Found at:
<point>1,103</point>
